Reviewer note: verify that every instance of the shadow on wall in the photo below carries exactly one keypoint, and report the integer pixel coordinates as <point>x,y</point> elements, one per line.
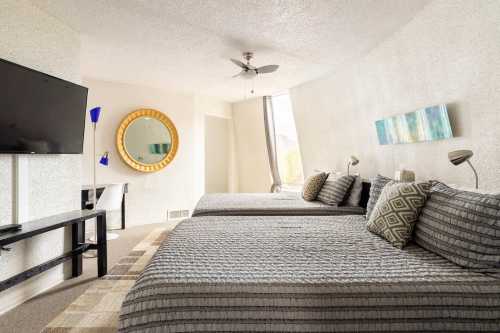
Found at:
<point>458,119</point>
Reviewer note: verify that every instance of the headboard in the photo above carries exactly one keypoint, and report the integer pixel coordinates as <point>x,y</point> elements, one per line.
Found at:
<point>365,194</point>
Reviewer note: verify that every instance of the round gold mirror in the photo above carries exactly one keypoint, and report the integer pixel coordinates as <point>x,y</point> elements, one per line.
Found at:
<point>147,140</point>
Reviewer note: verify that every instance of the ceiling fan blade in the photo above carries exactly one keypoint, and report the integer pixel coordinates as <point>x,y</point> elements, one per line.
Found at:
<point>240,73</point>
<point>239,63</point>
<point>267,69</point>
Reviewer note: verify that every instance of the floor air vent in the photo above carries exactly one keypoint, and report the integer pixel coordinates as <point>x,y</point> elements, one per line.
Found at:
<point>178,214</point>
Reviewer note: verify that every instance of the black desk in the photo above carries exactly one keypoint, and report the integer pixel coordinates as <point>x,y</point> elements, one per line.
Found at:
<point>99,189</point>
<point>76,219</point>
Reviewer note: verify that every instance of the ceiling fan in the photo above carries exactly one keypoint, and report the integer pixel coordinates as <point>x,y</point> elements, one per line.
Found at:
<point>249,71</point>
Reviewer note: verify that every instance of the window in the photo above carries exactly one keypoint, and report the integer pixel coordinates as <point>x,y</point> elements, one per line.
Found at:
<point>287,143</point>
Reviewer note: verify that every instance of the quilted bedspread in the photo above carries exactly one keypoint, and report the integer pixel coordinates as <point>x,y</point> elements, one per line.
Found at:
<point>303,274</point>
<point>267,204</point>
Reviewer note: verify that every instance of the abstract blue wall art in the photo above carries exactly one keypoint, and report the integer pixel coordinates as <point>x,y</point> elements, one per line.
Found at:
<point>428,124</point>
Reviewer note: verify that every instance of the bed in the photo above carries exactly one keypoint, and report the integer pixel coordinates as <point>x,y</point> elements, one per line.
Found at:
<point>265,204</point>
<point>303,274</point>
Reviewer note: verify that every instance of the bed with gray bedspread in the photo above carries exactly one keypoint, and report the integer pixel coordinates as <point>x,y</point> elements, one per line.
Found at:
<point>265,204</point>
<point>303,274</point>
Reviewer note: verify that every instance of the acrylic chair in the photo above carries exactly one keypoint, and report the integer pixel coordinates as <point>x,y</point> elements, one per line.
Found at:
<point>110,201</point>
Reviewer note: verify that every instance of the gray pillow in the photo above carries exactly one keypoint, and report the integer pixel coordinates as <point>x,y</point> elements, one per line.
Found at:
<point>397,210</point>
<point>354,197</point>
<point>461,226</point>
<point>313,185</point>
<point>334,192</point>
<point>376,188</point>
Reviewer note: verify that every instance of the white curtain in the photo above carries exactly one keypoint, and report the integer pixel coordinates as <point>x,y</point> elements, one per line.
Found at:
<point>271,144</point>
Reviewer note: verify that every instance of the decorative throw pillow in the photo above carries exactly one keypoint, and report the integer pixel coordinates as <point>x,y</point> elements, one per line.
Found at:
<point>378,184</point>
<point>471,189</point>
<point>397,210</point>
<point>334,192</point>
<point>354,197</point>
<point>313,185</point>
<point>461,226</point>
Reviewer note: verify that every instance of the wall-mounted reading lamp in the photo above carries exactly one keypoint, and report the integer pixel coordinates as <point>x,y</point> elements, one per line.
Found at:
<point>458,157</point>
<point>353,160</point>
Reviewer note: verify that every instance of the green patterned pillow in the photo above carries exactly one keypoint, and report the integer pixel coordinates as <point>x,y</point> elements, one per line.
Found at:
<point>397,210</point>
<point>313,185</point>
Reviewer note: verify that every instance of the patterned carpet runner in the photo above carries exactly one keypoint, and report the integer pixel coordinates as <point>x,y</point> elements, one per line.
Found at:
<point>98,308</point>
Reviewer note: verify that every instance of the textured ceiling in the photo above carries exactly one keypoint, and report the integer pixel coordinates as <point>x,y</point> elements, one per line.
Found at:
<point>185,44</point>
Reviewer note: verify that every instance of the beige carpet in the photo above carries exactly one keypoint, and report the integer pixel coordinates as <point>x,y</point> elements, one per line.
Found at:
<point>98,308</point>
<point>33,315</point>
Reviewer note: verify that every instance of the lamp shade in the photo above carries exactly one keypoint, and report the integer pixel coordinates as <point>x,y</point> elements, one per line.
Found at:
<point>104,159</point>
<point>458,157</point>
<point>94,114</point>
<point>354,160</point>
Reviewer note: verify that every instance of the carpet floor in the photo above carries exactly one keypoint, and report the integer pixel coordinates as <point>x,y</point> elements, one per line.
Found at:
<point>98,308</point>
<point>36,314</point>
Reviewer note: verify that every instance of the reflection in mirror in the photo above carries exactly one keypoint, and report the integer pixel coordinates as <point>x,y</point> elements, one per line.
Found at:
<point>147,140</point>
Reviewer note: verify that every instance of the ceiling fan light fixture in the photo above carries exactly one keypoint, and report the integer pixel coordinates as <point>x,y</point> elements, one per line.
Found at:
<point>249,71</point>
<point>248,75</point>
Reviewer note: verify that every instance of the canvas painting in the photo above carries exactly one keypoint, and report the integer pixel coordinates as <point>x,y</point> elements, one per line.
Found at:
<point>428,124</point>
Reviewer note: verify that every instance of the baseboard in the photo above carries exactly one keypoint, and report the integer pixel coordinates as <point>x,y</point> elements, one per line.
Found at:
<point>19,294</point>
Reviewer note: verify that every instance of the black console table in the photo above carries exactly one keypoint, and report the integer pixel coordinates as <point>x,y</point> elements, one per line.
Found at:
<point>75,219</point>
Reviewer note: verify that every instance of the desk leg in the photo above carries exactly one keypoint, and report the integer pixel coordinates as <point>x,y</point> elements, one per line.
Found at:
<point>102,255</point>
<point>123,211</point>
<point>77,238</point>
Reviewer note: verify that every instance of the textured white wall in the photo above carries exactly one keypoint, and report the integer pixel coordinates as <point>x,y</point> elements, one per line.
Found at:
<point>217,154</point>
<point>213,107</point>
<point>182,182</point>
<point>33,39</point>
<point>251,151</point>
<point>449,53</point>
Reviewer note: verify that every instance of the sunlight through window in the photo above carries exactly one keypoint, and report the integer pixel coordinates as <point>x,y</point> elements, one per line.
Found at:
<point>287,143</point>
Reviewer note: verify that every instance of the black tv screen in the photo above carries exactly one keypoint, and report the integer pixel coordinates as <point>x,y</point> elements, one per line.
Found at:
<point>39,113</point>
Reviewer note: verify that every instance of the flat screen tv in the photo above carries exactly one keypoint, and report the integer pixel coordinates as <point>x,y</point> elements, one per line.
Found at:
<point>39,113</point>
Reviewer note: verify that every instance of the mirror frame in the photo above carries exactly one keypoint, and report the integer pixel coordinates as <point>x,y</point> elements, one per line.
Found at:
<point>120,138</point>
